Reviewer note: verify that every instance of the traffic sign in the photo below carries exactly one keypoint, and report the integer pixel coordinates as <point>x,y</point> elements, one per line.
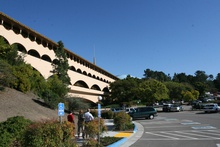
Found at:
<point>61,109</point>
<point>99,110</point>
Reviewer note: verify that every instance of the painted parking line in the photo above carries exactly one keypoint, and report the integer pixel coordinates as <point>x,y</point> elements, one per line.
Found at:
<point>165,136</point>
<point>203,127</point>
<point>183,135</point>
<point>190,123</point>
<point>178,135</point>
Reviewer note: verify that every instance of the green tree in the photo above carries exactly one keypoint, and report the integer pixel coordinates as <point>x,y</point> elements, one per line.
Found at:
<point>175,89</point>
<point>200,76</point>
<point>6,76</point>
<point>151,91</point>
<point>157,75</point>
<point>55,92</point>
<point>9,53</point>
<point>123,90</point>
<point>181,77</point>
<point>188,96</point>
<point>217,82</point>
<point>61,66</point>
<point>201,87</point>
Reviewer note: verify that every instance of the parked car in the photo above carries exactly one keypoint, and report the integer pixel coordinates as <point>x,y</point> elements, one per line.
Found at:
<point>167,107</point>
<point>143,112</point>
<point>127,110</point>
<point>117,109</point>
<point>176,108</point>
<point>212,107</point>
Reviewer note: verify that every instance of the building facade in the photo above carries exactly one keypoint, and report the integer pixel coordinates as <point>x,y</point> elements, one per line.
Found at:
<point>87,80</point>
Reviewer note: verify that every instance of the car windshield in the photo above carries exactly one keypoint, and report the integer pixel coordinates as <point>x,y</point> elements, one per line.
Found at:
<point>210,105</point>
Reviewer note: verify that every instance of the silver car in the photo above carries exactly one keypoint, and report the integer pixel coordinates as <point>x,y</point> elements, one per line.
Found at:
<point>211,107</point>
<point>176,108</point>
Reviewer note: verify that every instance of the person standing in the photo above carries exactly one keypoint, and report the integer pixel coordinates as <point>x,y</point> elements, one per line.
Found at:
<point>88,118</point>
<point>70,117</point>
<point>80,123</point>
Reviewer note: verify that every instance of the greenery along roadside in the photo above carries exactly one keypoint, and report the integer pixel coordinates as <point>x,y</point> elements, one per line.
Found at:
<point>18,131</point>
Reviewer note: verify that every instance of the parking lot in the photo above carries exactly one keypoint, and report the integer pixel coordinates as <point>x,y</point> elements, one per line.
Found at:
<point>182,129</point>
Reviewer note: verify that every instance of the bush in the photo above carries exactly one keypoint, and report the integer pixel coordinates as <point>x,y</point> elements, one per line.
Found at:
<point>49,133</point>
<point>106,114</point>
<point>94,113</point>
<point>92,128</point>
<point>92,143</point>
<point>122,121</point>
<point>12,130</point>
<point>105,141</point>
<point>74,103</point>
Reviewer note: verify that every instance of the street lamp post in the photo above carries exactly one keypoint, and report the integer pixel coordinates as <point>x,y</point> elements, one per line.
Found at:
<point>99,115</point>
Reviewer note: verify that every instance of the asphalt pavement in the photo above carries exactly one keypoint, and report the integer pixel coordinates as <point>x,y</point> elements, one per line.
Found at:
<point>128,137</point>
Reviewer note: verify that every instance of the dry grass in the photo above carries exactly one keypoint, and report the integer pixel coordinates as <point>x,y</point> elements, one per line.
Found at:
<point>15,103</point>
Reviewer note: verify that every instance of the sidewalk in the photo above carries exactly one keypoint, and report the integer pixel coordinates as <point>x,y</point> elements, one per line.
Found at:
<point>129,137</point>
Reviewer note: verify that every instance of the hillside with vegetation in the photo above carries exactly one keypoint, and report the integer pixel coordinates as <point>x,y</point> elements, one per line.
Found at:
<point>15,103</point>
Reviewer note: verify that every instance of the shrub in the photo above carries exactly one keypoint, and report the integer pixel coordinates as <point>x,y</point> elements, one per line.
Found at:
<point>92,143</point>
<point>122,121</point>
<point>49,133</point>
<point>92,128</point>
<point>12,129</point>
<point>94,113</point>
<point>107,114</point>
<point>109,140</point>
<point>74,103</point>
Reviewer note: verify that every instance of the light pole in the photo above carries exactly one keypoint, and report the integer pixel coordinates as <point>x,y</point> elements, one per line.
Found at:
<point>99,115</point>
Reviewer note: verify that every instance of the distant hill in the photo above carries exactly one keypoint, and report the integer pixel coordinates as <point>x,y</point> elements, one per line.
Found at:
<point>15,103</point>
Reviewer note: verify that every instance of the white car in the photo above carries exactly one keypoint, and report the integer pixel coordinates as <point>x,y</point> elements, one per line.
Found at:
<point>211,108</point>
<point>176,108</point>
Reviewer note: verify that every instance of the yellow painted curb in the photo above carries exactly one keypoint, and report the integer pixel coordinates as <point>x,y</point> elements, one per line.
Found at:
<point>123,134</point>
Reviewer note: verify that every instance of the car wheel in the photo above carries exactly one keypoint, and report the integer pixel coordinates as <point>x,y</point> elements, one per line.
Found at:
<point>151,116</point>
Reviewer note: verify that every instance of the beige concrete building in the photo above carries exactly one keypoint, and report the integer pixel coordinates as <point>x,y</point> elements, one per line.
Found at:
<point>88,81</point>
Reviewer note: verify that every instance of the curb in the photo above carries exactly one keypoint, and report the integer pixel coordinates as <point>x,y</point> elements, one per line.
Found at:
<point>118,143</point>
<point>123,140</point>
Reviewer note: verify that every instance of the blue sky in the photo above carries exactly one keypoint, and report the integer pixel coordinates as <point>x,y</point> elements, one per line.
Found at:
<point>130,36</point>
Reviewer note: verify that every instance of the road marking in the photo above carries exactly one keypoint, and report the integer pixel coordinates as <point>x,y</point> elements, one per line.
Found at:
<point>188,133</point>
<point>171,133</point>
<point>218,145</point>
<point>203,127</point>
<point>171,119</point>
<point>183,135</point>
<point>183,139</point>
<point>177,126</point>
<point>162,135</point>
<point>190,123</point>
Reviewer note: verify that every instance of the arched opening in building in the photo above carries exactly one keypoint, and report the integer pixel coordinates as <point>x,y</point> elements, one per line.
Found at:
<point>46,58</point>
<point>34,53</point>
<point>81,83</point>
<point>95,87</point>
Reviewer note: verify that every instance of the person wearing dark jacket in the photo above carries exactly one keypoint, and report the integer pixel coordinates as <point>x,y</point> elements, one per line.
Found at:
<point>80,123</point>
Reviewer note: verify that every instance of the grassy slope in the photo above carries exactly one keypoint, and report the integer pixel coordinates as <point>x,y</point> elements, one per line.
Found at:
<point>15,103</point>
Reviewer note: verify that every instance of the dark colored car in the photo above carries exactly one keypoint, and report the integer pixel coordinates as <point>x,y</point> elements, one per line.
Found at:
<point>167,107</point>
<point>143,112</point>
<point>117,109</point>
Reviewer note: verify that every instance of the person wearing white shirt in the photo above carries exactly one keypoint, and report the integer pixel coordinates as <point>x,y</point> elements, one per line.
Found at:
<point>88,116</point>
